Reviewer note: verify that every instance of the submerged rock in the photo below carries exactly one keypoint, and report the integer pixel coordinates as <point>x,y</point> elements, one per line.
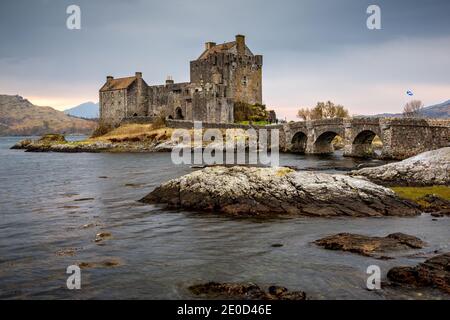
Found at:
<point>434,272</point>
<point>435,205</point>
<point>426,169</point>
<point>370,246</point>
<point>102,236</point>
<point>239,291</point>
<point>272,191</point>
<point>108,263</point>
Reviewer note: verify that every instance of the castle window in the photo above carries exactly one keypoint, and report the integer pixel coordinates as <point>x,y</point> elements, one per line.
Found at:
<point>244,81</point>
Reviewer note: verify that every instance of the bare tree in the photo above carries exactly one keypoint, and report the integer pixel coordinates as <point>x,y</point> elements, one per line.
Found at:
<point>323,110</point>
<point>413,109</point>
<point>304,114</point>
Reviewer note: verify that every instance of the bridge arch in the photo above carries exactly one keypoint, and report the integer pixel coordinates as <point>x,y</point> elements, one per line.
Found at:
<point>362,144</point>
<point>299,142</point>
<point>323,143</point>
<point>364,137</point>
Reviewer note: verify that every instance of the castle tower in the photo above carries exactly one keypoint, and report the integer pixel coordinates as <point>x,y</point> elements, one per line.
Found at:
<point>233,67</point>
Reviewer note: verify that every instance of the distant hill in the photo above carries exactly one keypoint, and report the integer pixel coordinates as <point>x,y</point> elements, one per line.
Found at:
<point>441,110</point>
<point>438,111</point>
<point>88,110</point>
<point>18,116</point>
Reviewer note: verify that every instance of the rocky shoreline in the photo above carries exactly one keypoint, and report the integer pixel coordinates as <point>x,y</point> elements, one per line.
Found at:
<point>244,291</point>
<point>434,272</point>
<point>426,169</point>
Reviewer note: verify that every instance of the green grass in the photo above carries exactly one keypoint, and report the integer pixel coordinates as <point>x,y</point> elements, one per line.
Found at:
<point>415,193</point>
<point>255,123</point>
<point>283,171</point>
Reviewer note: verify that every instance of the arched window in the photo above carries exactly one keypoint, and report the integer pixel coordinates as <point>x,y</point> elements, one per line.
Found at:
<point>179,114</point>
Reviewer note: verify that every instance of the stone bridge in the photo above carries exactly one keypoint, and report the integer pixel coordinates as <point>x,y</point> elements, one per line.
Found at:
<point>401,137</point>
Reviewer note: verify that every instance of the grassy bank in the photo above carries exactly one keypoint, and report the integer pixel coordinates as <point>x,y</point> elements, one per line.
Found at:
<point>135,133</point>
<point>417,193</point>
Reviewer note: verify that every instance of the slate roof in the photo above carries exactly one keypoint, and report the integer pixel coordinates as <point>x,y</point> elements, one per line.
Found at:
<point>118,84</point>
<point>224,47</point>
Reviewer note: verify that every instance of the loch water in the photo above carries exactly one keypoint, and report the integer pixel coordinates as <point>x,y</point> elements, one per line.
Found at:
<point>52,205</point>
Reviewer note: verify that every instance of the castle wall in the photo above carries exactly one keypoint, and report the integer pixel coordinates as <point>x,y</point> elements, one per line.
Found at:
<point>168,98</point>
<point>112,107</point>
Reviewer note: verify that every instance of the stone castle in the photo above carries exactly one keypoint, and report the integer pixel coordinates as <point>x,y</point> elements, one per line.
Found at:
<point>223,75</point>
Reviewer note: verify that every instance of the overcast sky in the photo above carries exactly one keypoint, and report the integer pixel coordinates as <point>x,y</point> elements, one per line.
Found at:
<point>313,50</point>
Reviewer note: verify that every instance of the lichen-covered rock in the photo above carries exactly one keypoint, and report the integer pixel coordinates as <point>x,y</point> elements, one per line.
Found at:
<point>370,246</point>
<point>426,169</point>
<point>239,291</point>
<point>22,144</point>
<point>434,272</point>
<point>270,191</point>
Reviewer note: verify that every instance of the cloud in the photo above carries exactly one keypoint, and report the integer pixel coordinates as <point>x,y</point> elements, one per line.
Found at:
<point>313,50</point>
<point>366,79</point>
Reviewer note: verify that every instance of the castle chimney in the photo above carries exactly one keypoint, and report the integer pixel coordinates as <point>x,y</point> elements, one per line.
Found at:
<point>240,43</point>
<point>109,78</point>
<point>169,80</point>
<point>138,75</point>
<point>209,45</point>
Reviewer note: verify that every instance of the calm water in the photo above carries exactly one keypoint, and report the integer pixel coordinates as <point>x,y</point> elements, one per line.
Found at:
<point>161,252</point>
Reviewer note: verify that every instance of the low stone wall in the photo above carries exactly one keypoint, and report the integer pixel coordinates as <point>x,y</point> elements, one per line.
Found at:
<point>181,124</point>
<point>137,120</point>
<point>409,137</point>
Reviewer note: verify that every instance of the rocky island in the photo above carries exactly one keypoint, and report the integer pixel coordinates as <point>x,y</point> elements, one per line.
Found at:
<point>129,138</point>
<point>268,191</point>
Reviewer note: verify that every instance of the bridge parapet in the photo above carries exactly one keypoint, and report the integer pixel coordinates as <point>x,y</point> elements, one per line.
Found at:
<point>416,122</point>
<point>365,121</point>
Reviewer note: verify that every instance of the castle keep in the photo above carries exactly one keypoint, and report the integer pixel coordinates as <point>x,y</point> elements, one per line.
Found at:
<point>223,75</point>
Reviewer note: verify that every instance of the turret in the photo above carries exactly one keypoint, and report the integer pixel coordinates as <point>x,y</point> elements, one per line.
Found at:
<point>209,45</point>
<point>169,80</point>
<point>240,43</point>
